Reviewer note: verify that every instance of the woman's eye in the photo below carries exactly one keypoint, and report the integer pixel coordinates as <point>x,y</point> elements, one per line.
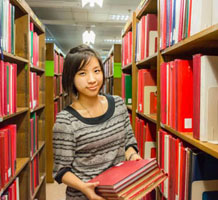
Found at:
<point>97,70</point>
<point>81,73</point>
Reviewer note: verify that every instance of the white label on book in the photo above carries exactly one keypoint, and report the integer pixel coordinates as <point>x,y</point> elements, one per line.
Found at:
<point>188,122</point>
<point>9,172</point>
<point>129,101</point>
<point>119,164</point>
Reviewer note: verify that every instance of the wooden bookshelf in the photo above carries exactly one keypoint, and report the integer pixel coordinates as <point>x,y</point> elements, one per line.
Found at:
<point>149,117</point>
<point>23,16</point>
<point>112,68</point>
<point>54,95</point>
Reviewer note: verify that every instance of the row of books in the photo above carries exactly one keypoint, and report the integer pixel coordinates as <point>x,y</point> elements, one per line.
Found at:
<point>146,37</point>
<point>34,173</point>
<point>33,133</point>
<point>145,134</point>
<point>192,174</point>
<point>129,180</point>
<point>55,110</point>
<point>181,19</point>
<point>8,153</point>
<point>147,91</point>
<point>189,91</point>
<point>127,88</point>
<point>127,49</point>
<point>8,88</point>
<point>7,26</point>
<point>34,46</point>
<point>34,90</point>
<point>12,192</point>
<point>58,89</point>
<point>108,67</point>
<point>58,63</point>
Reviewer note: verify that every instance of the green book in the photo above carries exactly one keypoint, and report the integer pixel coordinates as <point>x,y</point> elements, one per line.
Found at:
<point>128,89</point>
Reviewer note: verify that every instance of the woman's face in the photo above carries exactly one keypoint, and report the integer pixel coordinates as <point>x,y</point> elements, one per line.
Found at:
<point>89,79</point>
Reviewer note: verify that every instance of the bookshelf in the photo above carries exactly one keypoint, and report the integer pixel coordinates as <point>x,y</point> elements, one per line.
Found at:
<point>112,68</point>
<point>204,42</point>
<point>56,99</point>
<point>20,55</point>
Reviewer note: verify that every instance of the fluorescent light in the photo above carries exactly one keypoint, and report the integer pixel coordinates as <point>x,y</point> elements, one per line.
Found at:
<point>88,37</point>
<point>115,41</point>
<point>119,17</point>
<point>92,2</point>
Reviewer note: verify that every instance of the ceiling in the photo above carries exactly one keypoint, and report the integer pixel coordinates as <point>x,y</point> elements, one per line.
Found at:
<point>66,20</point>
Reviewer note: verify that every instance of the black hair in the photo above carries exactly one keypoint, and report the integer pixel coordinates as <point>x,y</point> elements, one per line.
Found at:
<point>75,60</point>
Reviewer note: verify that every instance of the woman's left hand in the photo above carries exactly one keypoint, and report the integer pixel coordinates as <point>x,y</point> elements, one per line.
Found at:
<point>135,156</point>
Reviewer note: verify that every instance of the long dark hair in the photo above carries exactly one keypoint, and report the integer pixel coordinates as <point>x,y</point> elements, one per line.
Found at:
<point>75,60</point>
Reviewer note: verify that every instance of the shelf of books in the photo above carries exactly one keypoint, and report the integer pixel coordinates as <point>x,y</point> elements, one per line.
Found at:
<point>55,100</point>
<point>175,71</point>
<point>112,68</point>
<point>22,103</point>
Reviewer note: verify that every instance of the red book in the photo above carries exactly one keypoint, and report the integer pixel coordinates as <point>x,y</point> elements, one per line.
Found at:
<point>163,92</point>
<point>2,88</point>
<point>123,173</point>
<point>153,103</point>
<point>196,95</point>
<point>184,90</point>
<point>2,160</point>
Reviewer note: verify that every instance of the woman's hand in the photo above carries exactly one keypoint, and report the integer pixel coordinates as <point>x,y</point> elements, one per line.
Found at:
<point>135,156</point>
<point>89,191</point>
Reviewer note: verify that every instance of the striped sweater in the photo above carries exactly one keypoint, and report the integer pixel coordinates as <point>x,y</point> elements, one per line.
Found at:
<point>89,146</point>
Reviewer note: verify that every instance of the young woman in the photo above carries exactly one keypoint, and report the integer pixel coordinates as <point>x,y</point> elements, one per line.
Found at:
<point>94,132</point>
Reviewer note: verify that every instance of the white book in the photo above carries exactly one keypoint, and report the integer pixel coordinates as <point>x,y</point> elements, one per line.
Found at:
<point>214,12</point>
<point>212,128</point>
<point>152,43</point>
<point>201,15</point>
<point>209,78</point>
<point>147,94</point>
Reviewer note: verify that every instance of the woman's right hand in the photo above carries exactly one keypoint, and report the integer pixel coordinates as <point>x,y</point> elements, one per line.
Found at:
<point>89,191</point>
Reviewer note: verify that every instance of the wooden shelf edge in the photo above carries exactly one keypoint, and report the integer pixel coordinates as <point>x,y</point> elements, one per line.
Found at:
<point>42,179</point>
<point>37,69</point>
<point>41,145</point>
<point>38,108</point>
<point>150,117</point>
<point>56,98</point>
<point>192,39</point>
<point>206,147</point>
<point>127,66</point>
<point>14,57</point>
<point>20,110</point>
<point>146,5</point>
<point>21,163</point>
<point>129,107</point>
<point>127,27</point>
<point>147,60</point>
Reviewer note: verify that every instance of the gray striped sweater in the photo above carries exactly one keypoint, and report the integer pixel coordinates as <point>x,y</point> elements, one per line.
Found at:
<point>89,146</point>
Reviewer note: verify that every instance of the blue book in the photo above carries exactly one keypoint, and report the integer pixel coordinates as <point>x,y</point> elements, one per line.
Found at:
<point>211,195</point>
<point>204,175</point>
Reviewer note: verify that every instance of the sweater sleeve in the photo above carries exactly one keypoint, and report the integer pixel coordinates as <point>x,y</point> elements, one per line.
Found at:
<point>63,146</point>
<point>130,138</point>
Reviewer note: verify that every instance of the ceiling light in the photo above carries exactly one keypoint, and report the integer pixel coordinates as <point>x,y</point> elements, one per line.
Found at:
<point>88,37</point>
<point>119,17</point>
<point>92,2</point>
<point>115,41</point>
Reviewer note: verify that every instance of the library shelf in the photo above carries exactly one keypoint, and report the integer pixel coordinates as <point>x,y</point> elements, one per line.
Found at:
<point>41,180</point>
<point>207,147</point>
<point>150,117</point>
<point>41,145</point>
<point>41,106</point>
<point>20,110</point>
<point>127,27</point>
<point>205,41</point>
<point>146,6</point>
<point>37,69</point>
<point>127,67</point>
<point>56,98</point>
<point>20,163</point>
<point>9,56</point>
<point>129,107</point>
<point>151,60</point>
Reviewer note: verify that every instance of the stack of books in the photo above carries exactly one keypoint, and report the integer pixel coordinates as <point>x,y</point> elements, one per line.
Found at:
<point>130,180</point>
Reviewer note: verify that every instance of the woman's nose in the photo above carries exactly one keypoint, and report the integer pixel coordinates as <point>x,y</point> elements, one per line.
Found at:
<point>91,77</point>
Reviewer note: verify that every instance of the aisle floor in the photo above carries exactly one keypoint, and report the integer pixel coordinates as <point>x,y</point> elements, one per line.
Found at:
<point>55,191</point>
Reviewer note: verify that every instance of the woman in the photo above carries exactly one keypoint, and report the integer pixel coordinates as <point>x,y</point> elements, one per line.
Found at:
<point>94,132</point>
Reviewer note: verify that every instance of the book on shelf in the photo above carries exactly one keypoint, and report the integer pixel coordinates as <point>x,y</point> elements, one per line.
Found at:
<point>205,76</point>
<point>129,179</point>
